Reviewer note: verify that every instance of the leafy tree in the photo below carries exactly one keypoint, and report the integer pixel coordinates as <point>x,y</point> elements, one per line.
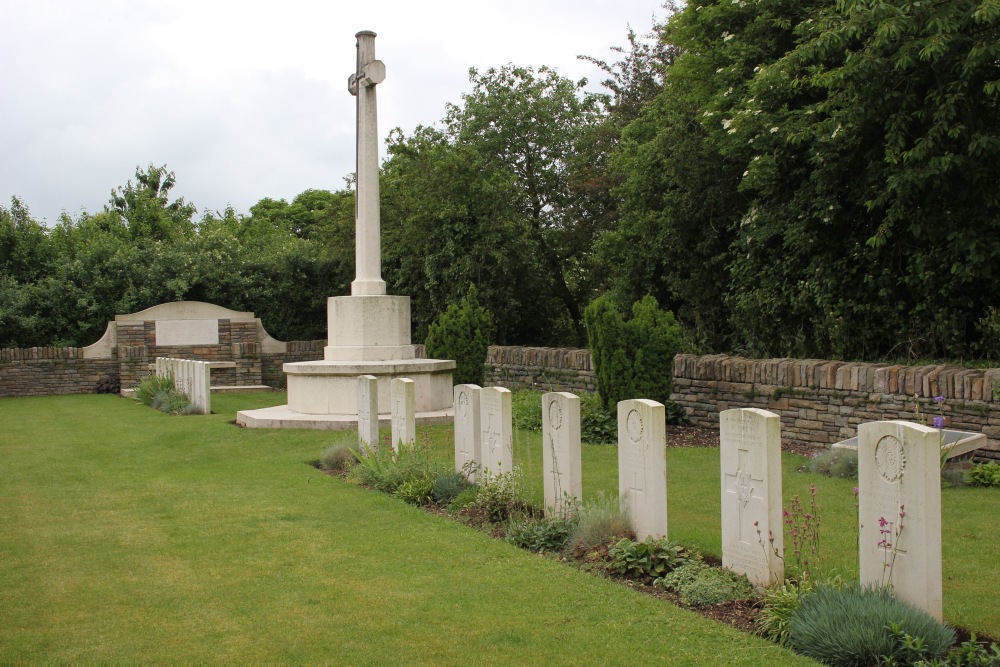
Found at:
<point>872,177</point>
<point>448,220</point>
<point>527,124</point>
<point>147,209</point>
<point>463,333</point>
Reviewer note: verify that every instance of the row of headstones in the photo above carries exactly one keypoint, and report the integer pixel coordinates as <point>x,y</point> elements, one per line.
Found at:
<point>899,504</point>
<point>402,411</point>
<point>899,514</point>
<point>192,378</point>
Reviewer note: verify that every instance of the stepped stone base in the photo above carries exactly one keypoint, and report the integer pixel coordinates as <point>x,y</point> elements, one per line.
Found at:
<point>283,417</point>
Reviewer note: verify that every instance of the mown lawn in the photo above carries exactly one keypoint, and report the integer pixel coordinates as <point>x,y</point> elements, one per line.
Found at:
<point>130,536</point>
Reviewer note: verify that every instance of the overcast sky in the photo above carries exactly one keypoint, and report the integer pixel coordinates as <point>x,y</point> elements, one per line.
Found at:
<point>245,100</point>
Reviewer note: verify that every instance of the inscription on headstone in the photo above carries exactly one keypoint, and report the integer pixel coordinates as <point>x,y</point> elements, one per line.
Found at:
<point>468,434</point>
<point>642,466</point>
<point>750,454</point>
<point>561,468</point>
<point>496,422</point>
<point>404,425</point>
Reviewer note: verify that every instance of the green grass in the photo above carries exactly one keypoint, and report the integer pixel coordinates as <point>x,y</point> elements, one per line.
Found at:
<point>970,541</point>
<point>127,535</point>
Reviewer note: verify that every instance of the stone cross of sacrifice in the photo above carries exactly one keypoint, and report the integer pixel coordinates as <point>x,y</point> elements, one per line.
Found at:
<point>367,251</point>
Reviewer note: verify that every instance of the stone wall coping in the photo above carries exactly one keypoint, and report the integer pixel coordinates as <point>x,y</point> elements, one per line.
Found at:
<point>186,310</point>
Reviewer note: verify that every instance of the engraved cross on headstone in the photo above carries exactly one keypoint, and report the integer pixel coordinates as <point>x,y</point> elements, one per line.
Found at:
<point>368,256</point>
<point>742,485</point>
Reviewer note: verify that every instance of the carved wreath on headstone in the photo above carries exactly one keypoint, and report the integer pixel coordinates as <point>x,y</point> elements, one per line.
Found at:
<point>889,458</point>
<point>555,415</point>
<point>634,425</point>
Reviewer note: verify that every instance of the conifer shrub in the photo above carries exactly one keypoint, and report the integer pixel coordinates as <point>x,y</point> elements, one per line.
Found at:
<point>854,625</point>
<point>463,333</point>
<point>634,358</point>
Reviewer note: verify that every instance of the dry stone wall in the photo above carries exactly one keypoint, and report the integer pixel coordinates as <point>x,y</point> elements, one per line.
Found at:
<point>821,402</point>
<point>48,371</point>
<point>544,368</point>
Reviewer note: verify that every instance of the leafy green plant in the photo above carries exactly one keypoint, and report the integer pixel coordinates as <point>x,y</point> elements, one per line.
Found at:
<point>700,585</point>
<point>598,425</point>
<point>338,458</point>
<point>417,491</point>
<point>836,462</point>
<point>499,495</point>
<point>984,474</point>
<point>969,653</point>
<point>464,499</point>
<point>651,558</point>
<point>463,333</point>
<point>779,605</point>
<point>541,534</point>
<point>860,626</point>
<point>602,521</point>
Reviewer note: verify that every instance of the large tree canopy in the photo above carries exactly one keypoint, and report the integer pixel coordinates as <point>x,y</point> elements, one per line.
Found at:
<point>789,177</point>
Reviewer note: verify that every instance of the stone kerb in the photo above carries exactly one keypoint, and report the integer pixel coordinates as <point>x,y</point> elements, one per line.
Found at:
<point>561,467</point>
<point>367,414</point>
<point>752,531</point>
<point>899,511</point>
<point>496,422</point>
<point>642,466</point>
<point>404,424</point>
<point>468,433</point>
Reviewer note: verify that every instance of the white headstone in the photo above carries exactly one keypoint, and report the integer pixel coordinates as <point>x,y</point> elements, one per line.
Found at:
<point>468,435</point>
<point>404,425</point>
<point>642,465</point>
<point>496,422</point>
<point>561,467</point>
<point>367,414</point>
<point>899,511</point>
<point>752,535</point>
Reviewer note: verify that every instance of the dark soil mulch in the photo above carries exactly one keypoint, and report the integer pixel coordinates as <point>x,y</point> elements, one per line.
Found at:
<point>692,436</point>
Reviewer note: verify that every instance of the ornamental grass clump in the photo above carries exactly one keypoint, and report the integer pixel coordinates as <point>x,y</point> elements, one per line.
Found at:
<point>836,462</point>
<point>387,470</point>
<point>339,458</point>
<point>159,393</point>
<point>602,521</point>
<point>854,626</point>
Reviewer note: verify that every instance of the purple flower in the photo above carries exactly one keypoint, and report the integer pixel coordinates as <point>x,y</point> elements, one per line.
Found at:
<point>939,422</point>
<point>882,522</point>
<point>939,399</point>
<point>855,490</point>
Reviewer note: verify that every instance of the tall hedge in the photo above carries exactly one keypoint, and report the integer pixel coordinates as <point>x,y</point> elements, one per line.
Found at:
<point>633,358</point>
<point>463,333</point>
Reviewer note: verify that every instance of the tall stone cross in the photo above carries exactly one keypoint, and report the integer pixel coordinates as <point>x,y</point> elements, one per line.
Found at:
<point>367,251</point>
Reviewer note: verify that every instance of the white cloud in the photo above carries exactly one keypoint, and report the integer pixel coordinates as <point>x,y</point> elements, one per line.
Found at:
<point>245,100</point>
